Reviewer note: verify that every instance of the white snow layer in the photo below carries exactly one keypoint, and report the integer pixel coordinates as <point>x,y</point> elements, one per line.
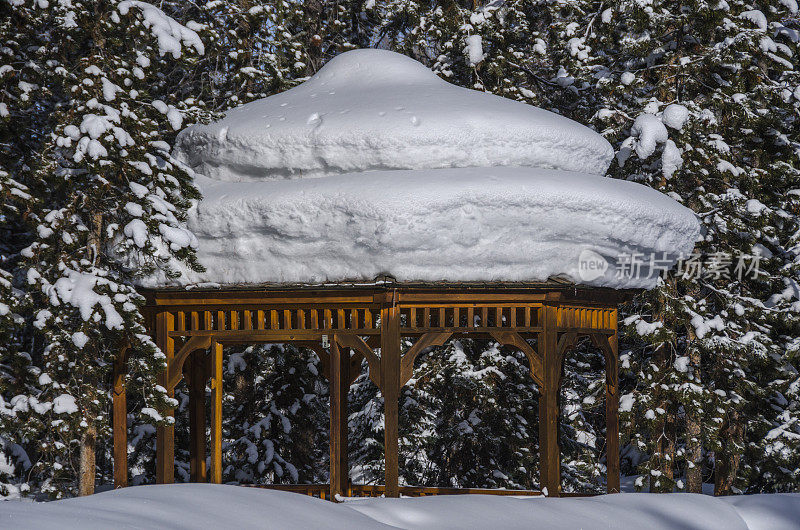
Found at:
<point>213,506</point>
<point>470,224</point>
<point>375,109</point>
<point>422,181</point>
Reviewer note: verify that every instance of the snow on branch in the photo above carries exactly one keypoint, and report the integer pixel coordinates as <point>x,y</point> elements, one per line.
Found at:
<point>171,35</point>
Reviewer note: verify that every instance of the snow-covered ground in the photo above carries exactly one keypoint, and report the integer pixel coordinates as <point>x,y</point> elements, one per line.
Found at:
<point>213,506</point>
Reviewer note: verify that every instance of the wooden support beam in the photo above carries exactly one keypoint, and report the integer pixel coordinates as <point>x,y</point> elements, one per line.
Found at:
<point>197,416</point>
<point>216,413</point>
<point>119,418</point>
<point>549,451</point>
<point>390,380</point>
<point>609,346</point>
<point>423,343</point>
<point>339,386</point>
<point>165,434</point>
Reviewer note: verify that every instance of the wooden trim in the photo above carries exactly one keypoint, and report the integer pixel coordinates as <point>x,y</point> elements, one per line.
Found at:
<point>566,342</point>
<point>609,347</point>
<point>550,453</point>
<point>355,367</point>
<point>404,294</point>
<point>378,490</point>
<point>267,335</point>
<point>339,386</point>
<point>556,312</point>
<point>197,416</point>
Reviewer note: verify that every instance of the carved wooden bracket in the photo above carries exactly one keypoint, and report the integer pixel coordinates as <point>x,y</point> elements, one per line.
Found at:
<point>357,344</point>
<point>514,339</point>
<point>175,369</point>
<point>423,343</point>
<point>600,340</point>
<point>566,343</point>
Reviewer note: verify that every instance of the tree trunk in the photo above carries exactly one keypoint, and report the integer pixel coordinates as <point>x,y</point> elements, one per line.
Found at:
<point>668,462</point>
<point>663,432</point>
<point>729,457</point>
<point>694,444</point>
<point>86,464</point>
<point>694,457</point>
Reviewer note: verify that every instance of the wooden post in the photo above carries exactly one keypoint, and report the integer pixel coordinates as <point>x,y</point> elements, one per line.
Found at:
<point>390,381</point>
<point>339,385</point>
<point>119,422</point>
<point>549,451</point>
<point>612,417</point>
<point>216,413</point>
<point>197,416</point>
<point>165,435</point>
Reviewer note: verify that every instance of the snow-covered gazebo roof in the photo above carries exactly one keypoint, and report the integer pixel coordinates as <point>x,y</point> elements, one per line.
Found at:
<point>377,166</point>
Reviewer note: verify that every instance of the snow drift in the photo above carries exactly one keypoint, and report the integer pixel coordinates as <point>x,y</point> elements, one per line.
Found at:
<point>215,506</point>
<point>417,179</point>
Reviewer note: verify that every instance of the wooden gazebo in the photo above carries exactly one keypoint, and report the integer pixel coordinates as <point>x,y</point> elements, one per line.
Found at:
<point>347,323</point>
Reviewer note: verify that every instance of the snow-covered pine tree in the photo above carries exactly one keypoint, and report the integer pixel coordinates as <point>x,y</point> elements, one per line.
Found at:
<point>18,375</point>
<point>23,113</point>
<point>365,424</point>
<point>275,416</point>
<point>250,51</point>
<point>699,101</point>
<point>479,423</point>
<point>112,207</point>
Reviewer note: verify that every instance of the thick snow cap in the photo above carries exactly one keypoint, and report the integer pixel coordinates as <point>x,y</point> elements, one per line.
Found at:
<point>376,109</point>
<point>421,180</point>
<point>471,224</point>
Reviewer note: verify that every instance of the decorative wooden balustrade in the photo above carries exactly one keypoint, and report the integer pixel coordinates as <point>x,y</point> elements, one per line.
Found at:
<point>345,324</point>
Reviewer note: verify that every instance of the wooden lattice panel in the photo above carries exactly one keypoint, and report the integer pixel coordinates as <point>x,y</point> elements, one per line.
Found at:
<point>586,318</point>
<point>266,318</point>
<point>469,318</point>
